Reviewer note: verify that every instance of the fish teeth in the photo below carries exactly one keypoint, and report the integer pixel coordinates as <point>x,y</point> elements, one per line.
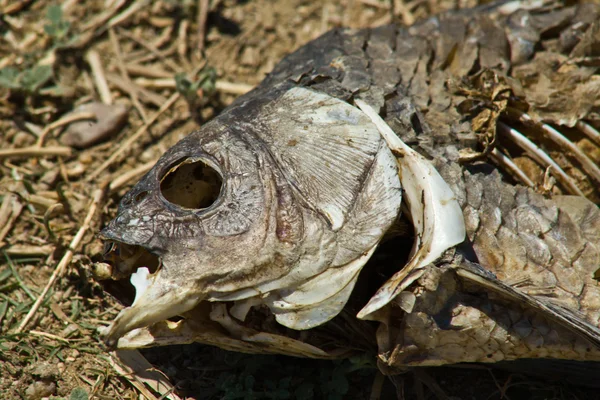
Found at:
<point>140,280</point>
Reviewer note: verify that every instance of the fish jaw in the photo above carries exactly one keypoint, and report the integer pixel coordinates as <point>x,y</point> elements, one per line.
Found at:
<point>156,300</point>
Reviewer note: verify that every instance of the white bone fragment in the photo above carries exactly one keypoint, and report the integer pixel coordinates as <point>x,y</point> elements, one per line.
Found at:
<point>437,217</point>
<point>239,310</point>
<point>540,156</point>
<point>591,132</point>
<point>571,148</point>
<point>506,163</point>
<point>140,281</point>
<point>319,299</point>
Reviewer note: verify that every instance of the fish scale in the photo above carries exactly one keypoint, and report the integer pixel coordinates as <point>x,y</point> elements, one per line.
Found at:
<point>522,285</point>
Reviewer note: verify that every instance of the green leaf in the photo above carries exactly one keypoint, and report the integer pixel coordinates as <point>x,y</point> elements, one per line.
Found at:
<point>79,393</point>
<point>182,83</point>
<point>54,14</point>
<point>9,78</point>
<point>32,79</point>
<point>50,30</point>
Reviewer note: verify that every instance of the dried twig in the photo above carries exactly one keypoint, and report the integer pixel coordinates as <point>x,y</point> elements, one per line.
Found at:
<point>14,7</point>
<point>182,39</point>
<point>149,72</point>
<point>127,13</point>
<point>146,96</point>
<point>35,151</point>
<point>163,56</point>
<point>121,65</point>
<point>201,19</point>
<point>26,250</point>
<point>377,4</point>
<point>220,85</point>
<point>403,10</point>
<point>120,181</point>
<point>93,58</point>
<point>49,336</point>
<point>61,122</point>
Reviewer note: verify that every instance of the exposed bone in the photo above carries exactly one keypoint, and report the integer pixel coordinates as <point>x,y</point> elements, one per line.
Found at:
<point>507,164</point>
<point>220,315</point>
<point>241,308</point>
<point>435,212</point>
<point>512,6</point>
<point>589,131</point>
<point>588,165</point>
<point>165,333</point>
<point>140,281</point>
<point>320,288</point>
<point>319,299</point>
<point>540,156</point>
<point>153,303</point>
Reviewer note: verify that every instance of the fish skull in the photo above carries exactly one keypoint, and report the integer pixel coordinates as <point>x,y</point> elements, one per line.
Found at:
<point>279,202</point>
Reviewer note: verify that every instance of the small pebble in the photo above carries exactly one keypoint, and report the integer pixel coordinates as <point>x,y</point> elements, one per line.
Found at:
<point>109,120</point>
<point>101,271</point>
<point>40,389</point>
<point>44,370</point>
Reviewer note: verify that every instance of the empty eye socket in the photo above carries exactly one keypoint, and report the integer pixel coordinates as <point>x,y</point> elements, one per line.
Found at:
<point>191,184</point>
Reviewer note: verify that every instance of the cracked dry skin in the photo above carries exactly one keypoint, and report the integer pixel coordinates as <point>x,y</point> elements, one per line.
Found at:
<point>455,88</point>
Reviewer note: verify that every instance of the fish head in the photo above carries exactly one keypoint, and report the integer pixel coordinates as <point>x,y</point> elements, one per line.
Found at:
<point>265,199</point>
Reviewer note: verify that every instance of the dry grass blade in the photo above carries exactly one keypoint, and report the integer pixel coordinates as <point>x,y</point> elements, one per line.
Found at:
<point>18,277</point>
<point>9,212</point>
<point>64,262</point>
<point>132,365</point>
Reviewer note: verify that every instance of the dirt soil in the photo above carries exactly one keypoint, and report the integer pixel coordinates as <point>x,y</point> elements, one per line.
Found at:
<point>166,67</point>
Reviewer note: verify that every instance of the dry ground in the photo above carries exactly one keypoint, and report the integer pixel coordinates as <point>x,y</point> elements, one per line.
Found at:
<point>55,197</point>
